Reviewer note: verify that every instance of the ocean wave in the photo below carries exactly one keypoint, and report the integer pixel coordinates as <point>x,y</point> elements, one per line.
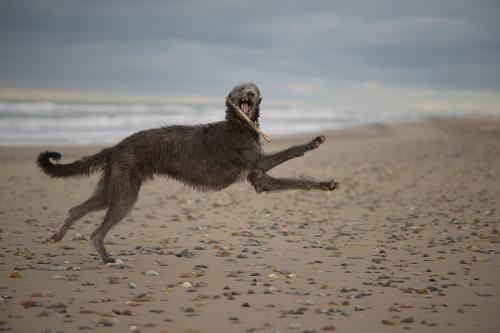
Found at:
<point>47,123</point>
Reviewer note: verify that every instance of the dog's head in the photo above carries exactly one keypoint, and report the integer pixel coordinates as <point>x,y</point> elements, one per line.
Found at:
<point>247,97</point>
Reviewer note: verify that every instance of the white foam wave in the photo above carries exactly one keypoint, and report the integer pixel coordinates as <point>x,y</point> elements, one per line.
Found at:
<point>47,123</point>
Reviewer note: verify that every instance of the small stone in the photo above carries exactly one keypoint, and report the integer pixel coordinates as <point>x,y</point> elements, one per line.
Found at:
<point>15,275</point>
<point>151,273</point>
<point>119,264</point>
<point>294,326</point>
<point>185,254</point>
<point>246,233</point>
<point>186,284</point>
<point>41,293</point>
<point>188,275</point>
<point>60,306</point>
<point>105,322</point>
<point>114,280</point>
<point>31,304</point>
<point>54,268</point>
<point>132,285</point>
<point>388,322</point>
<point>86,328</point>
<point>408,320</point>
<point>223,253</point>
<point>272,289</point>
<point>127,312</point>
<point>329,328</point>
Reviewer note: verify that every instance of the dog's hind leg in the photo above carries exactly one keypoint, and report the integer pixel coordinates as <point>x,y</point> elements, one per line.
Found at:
<point>97,201</point>
<point>262,182</point>
<point>123,198</point>
<point>267,162</point>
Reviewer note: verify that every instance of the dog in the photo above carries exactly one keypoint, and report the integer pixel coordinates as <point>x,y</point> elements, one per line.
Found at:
<point>208,157</point>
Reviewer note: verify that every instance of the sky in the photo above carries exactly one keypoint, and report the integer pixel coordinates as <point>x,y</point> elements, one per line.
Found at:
<point>355,53</point>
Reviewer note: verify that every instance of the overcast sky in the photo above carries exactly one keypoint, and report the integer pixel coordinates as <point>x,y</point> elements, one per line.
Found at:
<point>333,51</point>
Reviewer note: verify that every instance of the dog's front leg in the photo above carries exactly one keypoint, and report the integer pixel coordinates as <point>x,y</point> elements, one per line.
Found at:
<point>262,182</point>
<point>267,162</point>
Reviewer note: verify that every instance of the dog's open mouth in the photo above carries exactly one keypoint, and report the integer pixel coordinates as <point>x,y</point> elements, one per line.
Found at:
<point>245,105</point>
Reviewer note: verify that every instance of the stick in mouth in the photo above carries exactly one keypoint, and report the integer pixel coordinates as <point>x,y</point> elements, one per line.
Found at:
<point>244,117</point>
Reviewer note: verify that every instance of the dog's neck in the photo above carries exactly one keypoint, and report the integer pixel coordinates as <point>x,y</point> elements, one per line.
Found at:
<point>233,119</point>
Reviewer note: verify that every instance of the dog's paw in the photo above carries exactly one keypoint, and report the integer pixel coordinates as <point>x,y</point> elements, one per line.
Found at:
<point>330,185</point>
<point>317,141</point>
<point>54,238</point>
<point>108,260</point>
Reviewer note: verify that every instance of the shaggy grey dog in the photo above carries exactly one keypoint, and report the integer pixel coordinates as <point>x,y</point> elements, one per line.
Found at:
<point>207,157</point>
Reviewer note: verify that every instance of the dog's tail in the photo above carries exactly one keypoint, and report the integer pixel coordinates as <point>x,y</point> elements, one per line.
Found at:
<point>83,167</point>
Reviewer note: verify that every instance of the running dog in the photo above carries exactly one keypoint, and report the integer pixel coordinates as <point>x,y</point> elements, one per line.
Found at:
<point>207,157</point>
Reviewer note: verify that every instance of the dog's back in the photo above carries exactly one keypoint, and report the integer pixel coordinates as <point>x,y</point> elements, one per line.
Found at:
<point>205,157</point>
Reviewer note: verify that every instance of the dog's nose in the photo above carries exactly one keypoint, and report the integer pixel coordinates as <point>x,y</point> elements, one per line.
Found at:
<point>250,94</point>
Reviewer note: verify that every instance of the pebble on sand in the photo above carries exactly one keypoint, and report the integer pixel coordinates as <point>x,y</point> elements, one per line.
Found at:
<point>186,284</point>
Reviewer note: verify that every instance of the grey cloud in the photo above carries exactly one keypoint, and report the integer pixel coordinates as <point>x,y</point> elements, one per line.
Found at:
<point>206,46</point>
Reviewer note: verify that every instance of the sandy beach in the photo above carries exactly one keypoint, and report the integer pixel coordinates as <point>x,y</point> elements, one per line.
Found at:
<point>409,241</point>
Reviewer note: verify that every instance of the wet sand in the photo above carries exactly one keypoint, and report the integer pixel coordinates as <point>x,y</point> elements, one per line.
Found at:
<point>409,241</point>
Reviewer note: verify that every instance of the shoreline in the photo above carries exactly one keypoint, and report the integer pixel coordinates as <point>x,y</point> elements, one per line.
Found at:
<point>280,138</point>
<point>423,118</point>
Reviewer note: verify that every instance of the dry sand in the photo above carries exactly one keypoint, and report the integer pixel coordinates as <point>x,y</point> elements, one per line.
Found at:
<point>409,241</point>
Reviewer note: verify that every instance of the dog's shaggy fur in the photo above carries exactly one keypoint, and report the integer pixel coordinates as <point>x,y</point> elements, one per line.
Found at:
<point>206,157</point>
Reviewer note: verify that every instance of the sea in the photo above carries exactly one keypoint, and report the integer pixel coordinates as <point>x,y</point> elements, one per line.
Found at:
<point>45,123</point>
